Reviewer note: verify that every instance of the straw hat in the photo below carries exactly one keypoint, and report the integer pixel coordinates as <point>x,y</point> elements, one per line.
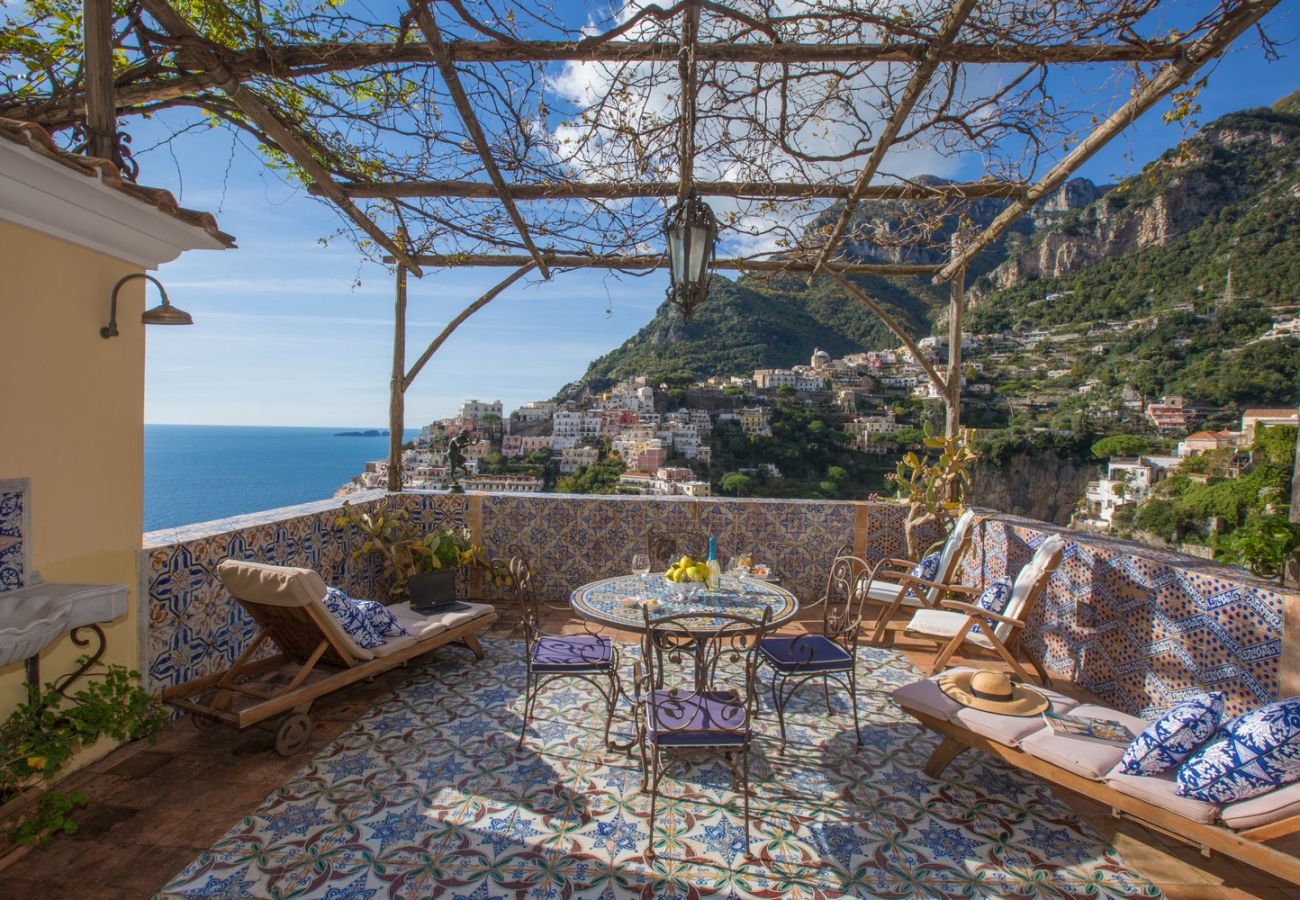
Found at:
<point>993,692</point>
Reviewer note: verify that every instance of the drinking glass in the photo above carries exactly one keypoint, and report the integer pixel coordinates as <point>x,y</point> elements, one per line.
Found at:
<point>641,565</point>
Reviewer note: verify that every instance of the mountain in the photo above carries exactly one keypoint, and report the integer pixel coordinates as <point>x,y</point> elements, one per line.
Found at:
<point>1226,194</point>
<point>1159,245</point>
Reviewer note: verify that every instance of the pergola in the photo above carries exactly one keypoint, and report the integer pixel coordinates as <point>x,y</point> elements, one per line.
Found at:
<point>788,113</point>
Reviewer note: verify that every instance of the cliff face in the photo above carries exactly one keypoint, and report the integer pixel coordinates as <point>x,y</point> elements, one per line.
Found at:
<point>1041,485</point>
<point>1230,160</point>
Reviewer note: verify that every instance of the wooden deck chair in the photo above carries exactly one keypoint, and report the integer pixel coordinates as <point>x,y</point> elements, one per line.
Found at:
<point>893,587</point>
<point>969,627</point>
<point>316,655</point>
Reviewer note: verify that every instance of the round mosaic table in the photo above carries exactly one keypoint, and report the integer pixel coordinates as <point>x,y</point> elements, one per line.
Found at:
<point>617,601</point>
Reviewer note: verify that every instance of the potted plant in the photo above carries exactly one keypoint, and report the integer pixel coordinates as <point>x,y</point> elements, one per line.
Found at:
<point>423,566</point>
<point>934,490</point>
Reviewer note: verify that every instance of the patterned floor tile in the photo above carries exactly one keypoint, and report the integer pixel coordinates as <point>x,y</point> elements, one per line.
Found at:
<point>427,795</point>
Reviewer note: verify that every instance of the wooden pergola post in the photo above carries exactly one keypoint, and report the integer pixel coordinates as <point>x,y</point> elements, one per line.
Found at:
<point>952,397</point>
<point>97,71</point>
<point>397,386</point>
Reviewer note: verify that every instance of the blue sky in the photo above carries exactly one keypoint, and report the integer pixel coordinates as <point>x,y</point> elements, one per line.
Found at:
<point>293,331</point>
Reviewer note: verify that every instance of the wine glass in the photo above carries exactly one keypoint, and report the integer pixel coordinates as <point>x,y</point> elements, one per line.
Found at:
<point>641,565</point>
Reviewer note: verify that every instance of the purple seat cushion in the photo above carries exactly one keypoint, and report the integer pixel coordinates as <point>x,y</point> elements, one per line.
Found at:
<point>805,653</point>
<point>684,718</point>
<point>571,653</point>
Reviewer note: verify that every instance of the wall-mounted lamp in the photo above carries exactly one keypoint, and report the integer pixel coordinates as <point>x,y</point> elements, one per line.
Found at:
<point>162,314</point>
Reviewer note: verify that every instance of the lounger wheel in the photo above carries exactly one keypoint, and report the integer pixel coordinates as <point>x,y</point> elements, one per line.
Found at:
<point>293,734</point>
<point>202,722</point>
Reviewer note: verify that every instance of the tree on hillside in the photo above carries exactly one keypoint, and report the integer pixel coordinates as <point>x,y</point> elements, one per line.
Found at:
<point>737,484</point>
<point>1121,445</point>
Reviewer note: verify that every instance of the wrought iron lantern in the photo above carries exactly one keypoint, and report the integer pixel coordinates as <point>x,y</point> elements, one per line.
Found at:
<point>691,231</point>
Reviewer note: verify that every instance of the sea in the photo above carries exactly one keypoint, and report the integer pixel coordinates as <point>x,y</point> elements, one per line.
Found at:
<point>195,473</point>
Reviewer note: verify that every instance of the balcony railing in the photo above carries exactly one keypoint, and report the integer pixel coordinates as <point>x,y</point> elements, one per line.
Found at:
<point>1138,626</point>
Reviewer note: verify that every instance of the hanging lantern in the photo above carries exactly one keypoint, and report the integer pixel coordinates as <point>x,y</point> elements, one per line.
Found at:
<point>691,233</point>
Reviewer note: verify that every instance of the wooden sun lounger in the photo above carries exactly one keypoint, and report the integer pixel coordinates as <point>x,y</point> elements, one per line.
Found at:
<point>316,656</point>
<point>1249,845</point>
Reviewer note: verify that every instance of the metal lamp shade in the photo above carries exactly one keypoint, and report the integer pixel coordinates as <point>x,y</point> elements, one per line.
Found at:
<point>691,234</point>
<point>166,314</point>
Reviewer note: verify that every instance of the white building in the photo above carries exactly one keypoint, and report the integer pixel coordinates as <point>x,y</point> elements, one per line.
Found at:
<point>474,411</point>
<point>769,379</point>
<point>534,411</point>
<point>864,427</point>
<point>1128,481</point>
<point>574,458</point>
<point>566,429</point>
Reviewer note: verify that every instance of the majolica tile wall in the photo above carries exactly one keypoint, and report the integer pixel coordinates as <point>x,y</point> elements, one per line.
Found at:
<point>192,628</point>
<point>1143,628</point>
<point>15,518</point>
<point>1137,626</point>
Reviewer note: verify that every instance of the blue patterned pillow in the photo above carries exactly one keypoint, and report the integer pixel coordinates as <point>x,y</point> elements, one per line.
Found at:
<point>1252,755</point>
<point>380,618</point>
<point>994,598</point>
<point>1171,738</point>
<point>351,619</point>
<point>925,570</point>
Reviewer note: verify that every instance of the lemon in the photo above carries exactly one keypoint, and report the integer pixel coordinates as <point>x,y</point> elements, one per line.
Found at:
<point>685,562</point>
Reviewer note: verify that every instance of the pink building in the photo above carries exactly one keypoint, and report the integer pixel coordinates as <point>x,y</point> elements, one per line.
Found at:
<point>649,459</point>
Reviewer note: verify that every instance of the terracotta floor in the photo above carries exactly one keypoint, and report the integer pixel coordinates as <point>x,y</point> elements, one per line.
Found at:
<point>155,808</point>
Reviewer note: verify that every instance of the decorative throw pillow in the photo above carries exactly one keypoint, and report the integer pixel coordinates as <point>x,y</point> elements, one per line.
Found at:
<point>925,570</point>
<point>380,618</point>
<point>351,619</point>
<point>995,597</point>
<point>1171,738</point>
<point>1252,755</point>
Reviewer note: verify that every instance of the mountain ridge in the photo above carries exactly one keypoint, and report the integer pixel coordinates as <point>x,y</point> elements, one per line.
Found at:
<point>1225,198</point>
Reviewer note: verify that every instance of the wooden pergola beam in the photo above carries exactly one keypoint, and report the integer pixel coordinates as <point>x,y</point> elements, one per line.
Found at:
<point>605,190</point>
<point>438,50</point>
<point>1211,44</point>
<point>924,71</point>
<point>302,61</point>
<point>659,261</point>
<point>468,311</point>
<point>290,142</point>
<point>892,324</point>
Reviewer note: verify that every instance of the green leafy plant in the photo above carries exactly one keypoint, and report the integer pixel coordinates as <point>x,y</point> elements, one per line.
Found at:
<point>407,551</point>
<point>934,490</point>
<point>40,736</point>
<point>1262,544</point>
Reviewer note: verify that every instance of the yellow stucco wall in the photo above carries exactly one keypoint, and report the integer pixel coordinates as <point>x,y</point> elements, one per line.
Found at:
<point>73,423</point>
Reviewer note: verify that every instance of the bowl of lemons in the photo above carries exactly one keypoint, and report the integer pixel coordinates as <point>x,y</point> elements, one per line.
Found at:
<point>686,577</point>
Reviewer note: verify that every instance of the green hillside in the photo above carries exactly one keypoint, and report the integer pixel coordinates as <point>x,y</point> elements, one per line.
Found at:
<point>750,324</point>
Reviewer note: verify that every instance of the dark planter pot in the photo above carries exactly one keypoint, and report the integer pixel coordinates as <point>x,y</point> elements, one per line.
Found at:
<point>433,589</point>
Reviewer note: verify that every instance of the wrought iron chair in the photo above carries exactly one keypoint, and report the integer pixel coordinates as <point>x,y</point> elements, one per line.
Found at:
<point>715,714</point>
<point>798,659</point>
<point>666,547</point>
<point>590,657</point>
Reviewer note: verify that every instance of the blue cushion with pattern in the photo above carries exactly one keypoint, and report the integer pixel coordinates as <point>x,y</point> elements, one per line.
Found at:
<point>1171,738</point>
<point>380,618</point>
<point>925,570</point>
<point>1252,755</point>
<point>351,619</point>
<point>995,597</point>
